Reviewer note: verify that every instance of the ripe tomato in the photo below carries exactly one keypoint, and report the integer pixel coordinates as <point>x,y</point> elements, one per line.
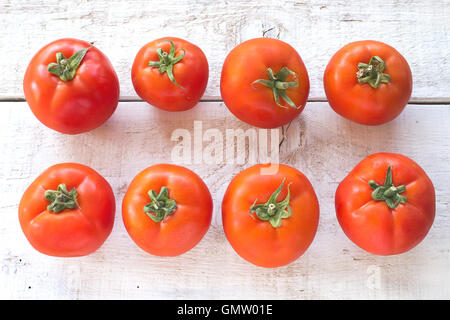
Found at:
<point>68,211</point>
<point>71,86</point>
<point>368,82</point>
<point>386,204</point>
<point>167,210</point>
<point>170,73</point>
<point>270,220</point>
<point>264,82</point>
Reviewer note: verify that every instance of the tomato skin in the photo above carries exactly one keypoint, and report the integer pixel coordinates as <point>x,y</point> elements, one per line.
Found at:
<point>191,72</point>
<point>254,103</point>
<point>76,106</point>
<point>72,232</point>
<point>371,224</point>
<point>256,240</point>
<point>360,102</point>
<point>185,227</point>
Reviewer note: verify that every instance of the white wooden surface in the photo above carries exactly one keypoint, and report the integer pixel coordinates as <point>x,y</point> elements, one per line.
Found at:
<point>320,143</point>
<point>316,28</point>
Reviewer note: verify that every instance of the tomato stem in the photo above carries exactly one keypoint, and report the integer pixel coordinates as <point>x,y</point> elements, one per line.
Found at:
<point>161,205</point>
<point>278,85</point>
<point>372,73</point>
<point>388,192</point>
<point>65,68</point>
<point>167,61</point>
<point>61,198</point>
<point>272,210</point>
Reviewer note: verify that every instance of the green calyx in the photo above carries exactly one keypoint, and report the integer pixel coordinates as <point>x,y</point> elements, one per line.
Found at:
<point>61,198</point>
<point>167,61</point>
<point>372,73</point>
<point>278,84</point>
<point>65,68</point>
<point>388,192</point>
<point>272,210</point>
<point>161,205</point>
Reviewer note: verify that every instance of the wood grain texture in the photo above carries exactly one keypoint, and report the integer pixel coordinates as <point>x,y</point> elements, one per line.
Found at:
<point>317,29</point>
<point>319,143</point>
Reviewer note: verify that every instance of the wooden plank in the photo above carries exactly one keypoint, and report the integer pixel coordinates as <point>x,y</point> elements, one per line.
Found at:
<point>317,29</point>
<point>320,143</point>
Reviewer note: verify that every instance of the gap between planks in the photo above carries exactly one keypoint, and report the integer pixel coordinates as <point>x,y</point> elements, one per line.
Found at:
<point>416,101</point>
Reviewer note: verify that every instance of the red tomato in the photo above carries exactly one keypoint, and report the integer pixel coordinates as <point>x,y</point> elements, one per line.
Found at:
<point>69,89</point>
<point>368,82</point>
<point>386,204</point>
<point>170,73</point>
<point>270,220</point>
<point>68,211</point>
<point>264,82</point>
<point>167,210</point>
